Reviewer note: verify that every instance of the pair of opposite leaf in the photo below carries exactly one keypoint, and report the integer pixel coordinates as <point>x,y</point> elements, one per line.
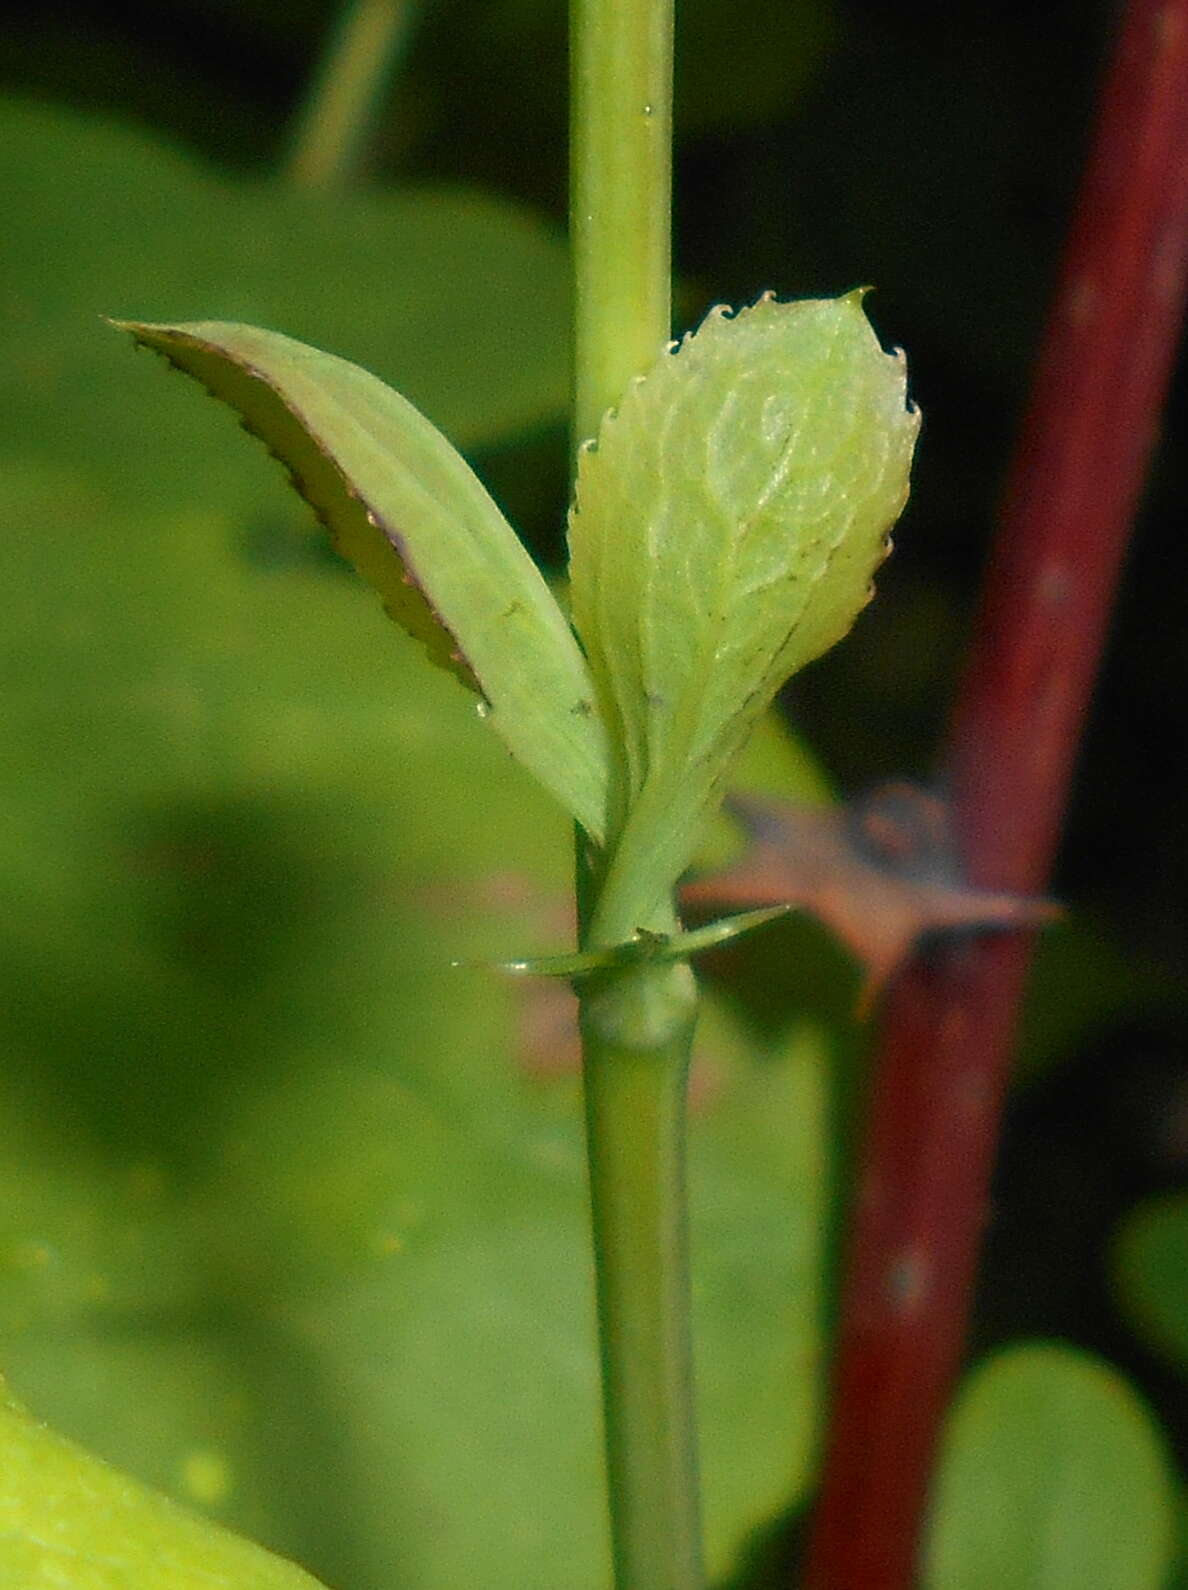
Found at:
<point>728,519</point>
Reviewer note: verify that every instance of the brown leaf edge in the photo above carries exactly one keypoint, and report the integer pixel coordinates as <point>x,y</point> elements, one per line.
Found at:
<point>404,599</point>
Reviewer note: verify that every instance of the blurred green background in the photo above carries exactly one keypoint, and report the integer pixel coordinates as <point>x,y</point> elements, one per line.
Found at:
<point>291,1217</point>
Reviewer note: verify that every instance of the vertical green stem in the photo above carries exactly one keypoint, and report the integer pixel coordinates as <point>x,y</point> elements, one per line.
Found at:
<point>637,1025</point>
<point>620,195</point>
<point>636,1032</point>
<point>347,91</point>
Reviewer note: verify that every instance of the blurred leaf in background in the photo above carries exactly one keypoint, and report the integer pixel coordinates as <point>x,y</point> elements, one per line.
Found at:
<point>278,1201</point>
<point>1054,1476</point>
<point>1151,1274</point>
<point>294,1212</point>
<point>457,298</point>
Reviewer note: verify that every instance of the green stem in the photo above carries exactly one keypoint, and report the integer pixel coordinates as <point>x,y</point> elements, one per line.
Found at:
<point>637,1024</point>
<point>620,196</point>
<point>347,91</point>
<point>636,1031</point>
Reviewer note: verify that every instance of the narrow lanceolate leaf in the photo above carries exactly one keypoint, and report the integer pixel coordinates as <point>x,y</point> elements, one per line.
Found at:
<point>726,528</point>
<point>405,508</point>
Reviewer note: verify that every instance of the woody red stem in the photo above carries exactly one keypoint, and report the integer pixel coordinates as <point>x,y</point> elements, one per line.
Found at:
<point>942,1062</point>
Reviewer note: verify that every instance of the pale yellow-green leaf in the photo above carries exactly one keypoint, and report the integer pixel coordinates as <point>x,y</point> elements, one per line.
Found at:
<point>70,1522</point>
<point>727,525</point>
<point>409,513</point>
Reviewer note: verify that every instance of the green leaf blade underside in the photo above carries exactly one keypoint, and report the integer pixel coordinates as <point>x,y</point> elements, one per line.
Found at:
<point>406,510</point>
<point>67,1519</point>
<point>726,529</point>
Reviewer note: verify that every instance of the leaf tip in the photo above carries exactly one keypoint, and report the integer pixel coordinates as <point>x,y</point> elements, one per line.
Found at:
<point>138,330</point>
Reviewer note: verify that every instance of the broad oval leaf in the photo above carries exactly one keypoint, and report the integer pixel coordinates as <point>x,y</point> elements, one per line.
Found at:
<point>67,1519</point>
<point>726,527</point>
<point>1053,1476</point>
<point>405,508</point>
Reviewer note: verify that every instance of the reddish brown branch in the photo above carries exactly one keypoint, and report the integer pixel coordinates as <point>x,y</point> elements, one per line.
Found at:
<point>942,1064</point>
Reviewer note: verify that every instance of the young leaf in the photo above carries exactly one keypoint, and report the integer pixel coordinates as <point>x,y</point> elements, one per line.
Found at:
<point>726,528</point>
<point>66,1519</point>
<point>411,516</point>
